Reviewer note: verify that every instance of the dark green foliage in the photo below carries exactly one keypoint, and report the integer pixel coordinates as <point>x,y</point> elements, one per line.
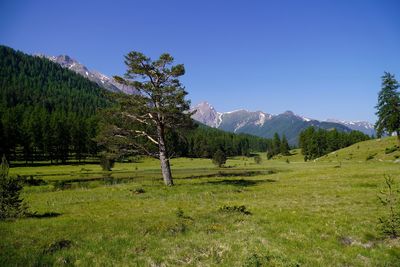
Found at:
<point>11,205</point>
<point>46,111</point>
<point>315,143</point>
<point>106,162</point>
<point>139,124</point>
<point>284,146</point>
<point>389,197</point>
<point>138,191</point>
<point>257,159</point>
<point>388,107</point>
<point>392,149</point>
<point>278,146</point>
<point>219,158</point>
<point>239,209</point>
<point>204,141</point>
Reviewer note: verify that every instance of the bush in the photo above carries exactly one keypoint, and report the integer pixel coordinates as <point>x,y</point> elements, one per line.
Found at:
<point>106,162</point>
<point>11,205</point>
<point>257,159</point>
<point>392,149</point>
<point>390,224</point>
<point>239,209</point>
<point>219,158</point>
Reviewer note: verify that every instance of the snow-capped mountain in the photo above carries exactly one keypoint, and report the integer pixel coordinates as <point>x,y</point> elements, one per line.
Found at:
<point>362,126</point>
<point>260,123</point>
<point>95,76</point>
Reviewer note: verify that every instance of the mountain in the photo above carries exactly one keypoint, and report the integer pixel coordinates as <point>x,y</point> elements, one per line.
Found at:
<point>102,80</point>
<point>362,126</point>
<point>260,123</point>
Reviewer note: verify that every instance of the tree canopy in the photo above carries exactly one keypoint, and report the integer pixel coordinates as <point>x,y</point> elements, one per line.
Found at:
<point>388,107</point>
<point>140,123</point>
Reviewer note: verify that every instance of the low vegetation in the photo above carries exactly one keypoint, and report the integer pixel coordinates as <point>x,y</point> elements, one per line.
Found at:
<point>247,214</point>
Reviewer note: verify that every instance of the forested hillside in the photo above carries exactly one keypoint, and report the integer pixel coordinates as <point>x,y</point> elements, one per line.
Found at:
<point>49,113</point>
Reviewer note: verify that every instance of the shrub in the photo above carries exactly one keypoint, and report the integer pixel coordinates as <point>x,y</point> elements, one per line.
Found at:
<point>392,149</point>
<point>390,224</point>
<point>219,158</point>
<point>138,191</point>
<point>371,156</point>
<point>239,209</point>
<point>11,205</point>
<point>257,159</point>
<point>106,162</point>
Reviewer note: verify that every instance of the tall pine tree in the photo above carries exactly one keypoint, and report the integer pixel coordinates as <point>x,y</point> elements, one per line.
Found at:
<point>140,123</point>
<point>388,108</point>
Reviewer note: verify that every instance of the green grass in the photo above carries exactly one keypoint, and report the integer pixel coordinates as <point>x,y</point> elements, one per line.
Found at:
<point>306,213</point>
<point>371,150</point>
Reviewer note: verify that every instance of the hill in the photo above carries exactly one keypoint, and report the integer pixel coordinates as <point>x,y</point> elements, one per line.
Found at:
<point>46,111</point>
<point>49,112</point>
<point>384,149</point>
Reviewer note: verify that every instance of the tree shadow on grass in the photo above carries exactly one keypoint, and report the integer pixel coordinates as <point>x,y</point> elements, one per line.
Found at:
<point>229,174</point>
<point>240,182</point>
<point>43,215</point>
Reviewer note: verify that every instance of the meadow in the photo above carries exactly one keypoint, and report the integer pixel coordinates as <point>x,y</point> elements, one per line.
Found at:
<point>282,212</point>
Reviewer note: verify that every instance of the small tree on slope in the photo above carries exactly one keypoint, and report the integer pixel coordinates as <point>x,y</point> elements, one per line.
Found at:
<point>139,123</point>
<point>388,107</point>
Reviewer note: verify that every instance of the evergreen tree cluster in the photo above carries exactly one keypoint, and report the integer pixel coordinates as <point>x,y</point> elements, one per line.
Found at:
<point>315,143</point>
<point>204,142</point>
<point>277,146</point>
<point>46,112</point>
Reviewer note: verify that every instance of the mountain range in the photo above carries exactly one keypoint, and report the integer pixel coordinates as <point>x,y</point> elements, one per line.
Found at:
<point>262,124</point>
<point>257,123</point>
<point>100,79</point>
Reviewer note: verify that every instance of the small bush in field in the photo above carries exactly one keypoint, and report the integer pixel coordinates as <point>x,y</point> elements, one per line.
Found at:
<point>257,159</point>
<point>392,149</point>
<point>219,158</point>
<point>106,163</point>
<point>389,197</point>
<point>239,209</point>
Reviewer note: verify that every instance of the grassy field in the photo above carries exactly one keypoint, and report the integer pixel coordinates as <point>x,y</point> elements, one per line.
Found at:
<point>321,213</point>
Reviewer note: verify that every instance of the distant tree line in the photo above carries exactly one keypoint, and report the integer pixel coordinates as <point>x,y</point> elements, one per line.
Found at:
<point>205,142</point>
<point>315,143</point>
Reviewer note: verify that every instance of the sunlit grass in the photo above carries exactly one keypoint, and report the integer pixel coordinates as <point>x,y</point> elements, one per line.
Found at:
<point>301,213</point>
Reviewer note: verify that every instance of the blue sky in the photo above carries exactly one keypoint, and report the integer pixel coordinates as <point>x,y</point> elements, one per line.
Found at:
<point>321,59</point>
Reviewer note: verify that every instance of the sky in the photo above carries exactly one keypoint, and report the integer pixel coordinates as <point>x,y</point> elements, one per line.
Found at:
<point>321,59</point>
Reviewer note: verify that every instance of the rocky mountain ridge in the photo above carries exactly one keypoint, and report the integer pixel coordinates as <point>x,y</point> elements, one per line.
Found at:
<point>101,79</point>
<point>265,125</point>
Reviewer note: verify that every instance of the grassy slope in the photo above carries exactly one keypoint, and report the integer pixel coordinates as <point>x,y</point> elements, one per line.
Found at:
<point>359,152</point>
<point>301,213</point>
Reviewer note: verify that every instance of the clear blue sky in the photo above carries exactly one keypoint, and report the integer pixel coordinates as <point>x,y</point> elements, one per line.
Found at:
<point>321,59</point>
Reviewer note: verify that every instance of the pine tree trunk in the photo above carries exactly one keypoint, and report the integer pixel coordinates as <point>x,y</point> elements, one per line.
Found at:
<point>165,167</point>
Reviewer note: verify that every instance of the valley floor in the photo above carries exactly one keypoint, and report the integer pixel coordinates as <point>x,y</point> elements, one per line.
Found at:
<point>322,213</point>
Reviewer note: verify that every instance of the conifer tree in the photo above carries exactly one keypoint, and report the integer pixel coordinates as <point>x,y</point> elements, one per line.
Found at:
<point>388,107</point>
<point>284,146</point>
<point>140,123</point>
